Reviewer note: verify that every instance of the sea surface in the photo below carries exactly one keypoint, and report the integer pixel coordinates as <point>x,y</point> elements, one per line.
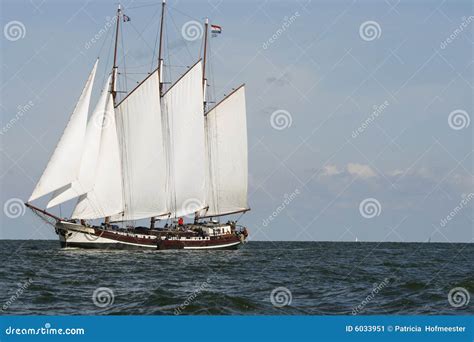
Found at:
<point>261,278</point>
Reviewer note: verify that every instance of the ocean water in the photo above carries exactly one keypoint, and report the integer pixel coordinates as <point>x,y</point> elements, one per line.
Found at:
<point>261,278</point>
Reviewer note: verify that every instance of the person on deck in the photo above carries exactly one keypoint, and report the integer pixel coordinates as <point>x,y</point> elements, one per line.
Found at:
<point>180,221</point>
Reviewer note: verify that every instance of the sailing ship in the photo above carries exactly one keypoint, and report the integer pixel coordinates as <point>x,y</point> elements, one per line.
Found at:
<point>163,155</point>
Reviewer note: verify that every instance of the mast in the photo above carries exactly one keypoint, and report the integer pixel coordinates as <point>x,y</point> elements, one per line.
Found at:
<point>204,79</point>
<point>204,84</point>
<point>160,48</point>
<point>113,89</point>
<point>160,73</point>
<point>114,69</point>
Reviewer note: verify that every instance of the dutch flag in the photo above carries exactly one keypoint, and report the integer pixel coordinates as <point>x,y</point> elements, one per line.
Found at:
<point>216,29</point>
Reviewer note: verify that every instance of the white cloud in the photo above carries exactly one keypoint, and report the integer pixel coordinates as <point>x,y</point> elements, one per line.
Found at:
<point>330,170</point>
<point>396,173</point>
<point>360,170</point>
<point>351,169</point>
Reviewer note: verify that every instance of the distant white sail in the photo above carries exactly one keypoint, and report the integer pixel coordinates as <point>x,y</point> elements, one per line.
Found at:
<point>183,123</point>
<point>85,178</point>
<point>143,156</point>
<point>226,157</point>
<point>64,164</point>
<point>106,198</point>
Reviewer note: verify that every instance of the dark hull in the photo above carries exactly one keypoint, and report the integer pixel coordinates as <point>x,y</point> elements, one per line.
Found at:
<point>78,236</point>
<point>121,246</point>
<point>229,242</point>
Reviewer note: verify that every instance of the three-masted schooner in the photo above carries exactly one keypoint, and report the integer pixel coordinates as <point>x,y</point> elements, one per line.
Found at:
<point>158,154</point>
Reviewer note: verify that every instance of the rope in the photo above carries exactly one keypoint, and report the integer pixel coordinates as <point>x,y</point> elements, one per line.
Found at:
<point>123,52</point>
<point>139,33</point>
<point>168,70</point>
<point>177,30</point>
<point>46,219</point>
<point>144,5</point>
<point>183,13</point>
<point>103,43</point>
<point>154,49</point>
<point>238,218</point>
<point>107,62</point>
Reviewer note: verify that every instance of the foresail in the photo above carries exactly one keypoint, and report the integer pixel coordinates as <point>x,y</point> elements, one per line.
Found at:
<point>226,157</point>
<point>63,165</point>
<point>183,125</point>
<point>142,152</point>
<point>90,154</point>
<point>105,199</point>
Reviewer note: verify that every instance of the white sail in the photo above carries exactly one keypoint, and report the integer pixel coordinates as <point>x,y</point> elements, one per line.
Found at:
<point>85,177</point>
<point>63,166</point>
<point>143,157</point>
<point>226,159</point>
<point>183,123</point>
<point>105,199</point>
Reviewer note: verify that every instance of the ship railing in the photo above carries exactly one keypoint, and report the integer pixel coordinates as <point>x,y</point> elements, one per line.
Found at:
<point>239,228</point>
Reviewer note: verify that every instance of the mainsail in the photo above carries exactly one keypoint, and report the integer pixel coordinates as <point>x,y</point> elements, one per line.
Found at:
<point>63,166</point>
<point>139,124</point>
<point>85,177</point>
<point>183,124</point>
<point>105,199</point>
<point>226,156</point>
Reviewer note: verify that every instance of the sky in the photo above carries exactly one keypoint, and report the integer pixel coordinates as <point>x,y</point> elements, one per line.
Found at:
<point>358,112</point>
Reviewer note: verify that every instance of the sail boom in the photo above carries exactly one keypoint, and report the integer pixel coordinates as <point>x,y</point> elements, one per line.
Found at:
<point>225,214</point>
<point>120,217</point>
<point>114,218</point>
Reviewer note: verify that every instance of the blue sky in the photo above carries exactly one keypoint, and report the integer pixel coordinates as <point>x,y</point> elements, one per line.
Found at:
<point>314,76</point>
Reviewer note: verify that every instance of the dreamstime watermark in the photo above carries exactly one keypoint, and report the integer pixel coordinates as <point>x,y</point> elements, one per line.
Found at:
<point>377,287</point>
<point>459,119</point>
<point>287,22</point>
<point>458,297</point>
<point>192,297</point>
<point>378,110</point>
<point>454,35</point>
<point>14,208</point>
<point>103,297</point>
<point>109,23</point>
<point>467,198</point>
<point>21,111</point>
<point>192,30</point>
<point>46,330</point>
<point>21,289</point>
<point>14,30</point>
<point>191,206</point>
<point>281,296</point>
<point>370,30</point>
<point>287,199</point>
<point>104,121</point>
<point>281,119</point>
<point>370,207</point>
